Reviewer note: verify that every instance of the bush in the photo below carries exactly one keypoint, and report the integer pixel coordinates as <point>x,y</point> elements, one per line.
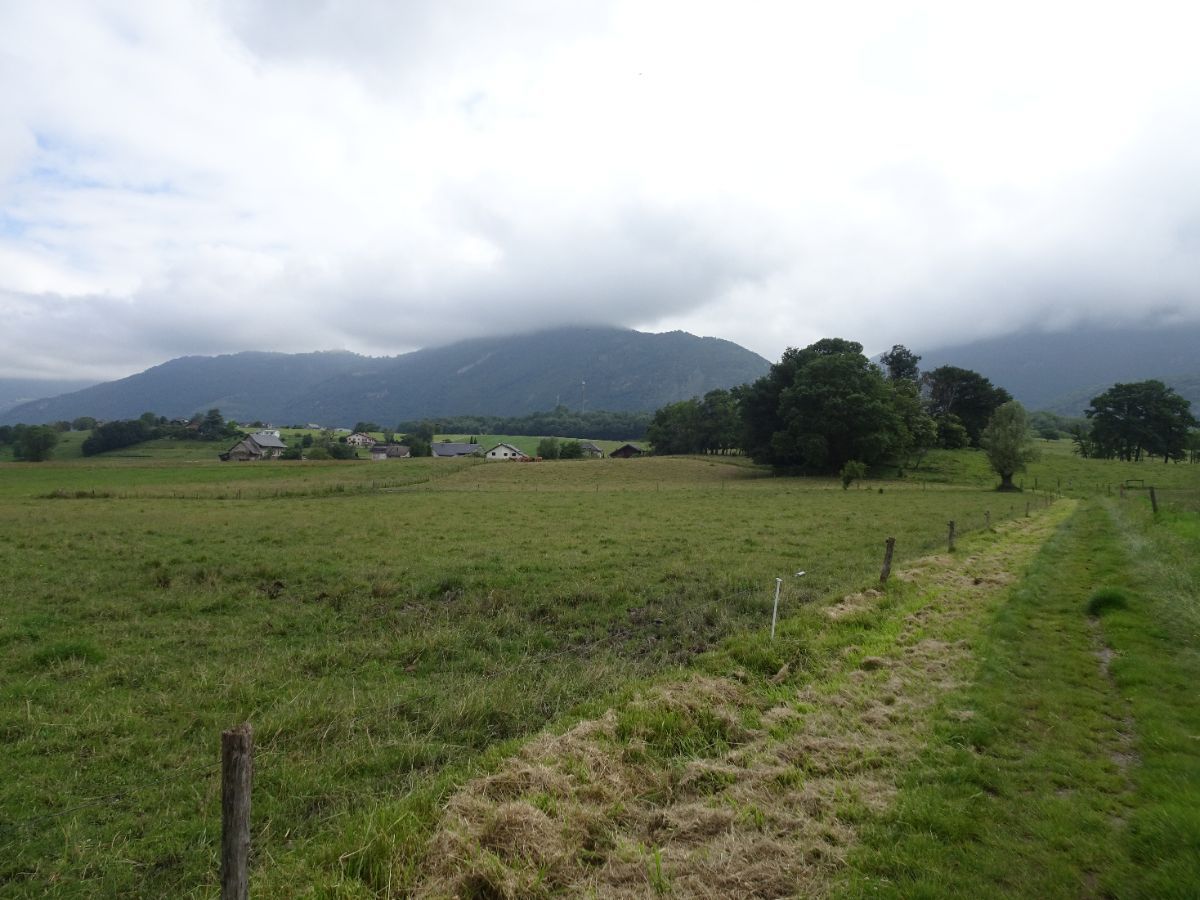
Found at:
<point>1106,600</point>
<point>852,472</point>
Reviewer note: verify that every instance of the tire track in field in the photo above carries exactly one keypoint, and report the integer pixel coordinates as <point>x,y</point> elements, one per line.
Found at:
<point>772,803</point>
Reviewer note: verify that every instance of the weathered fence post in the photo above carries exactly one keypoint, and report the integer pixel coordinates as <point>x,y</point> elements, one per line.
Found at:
<point>887,560</point>
<point>950,540</point>
<point>237,775</point>
<point>1153,501</point>
<point>1122,491</point>
<point>987,519</point>
<point>1027,509</point>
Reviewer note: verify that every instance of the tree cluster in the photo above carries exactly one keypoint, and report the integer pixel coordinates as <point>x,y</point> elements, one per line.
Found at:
<point>711,424</point>
<point>553,448</point>
<point>826,405</point>
<point>1131,420</point>
<point>962,402</point>
<point>30,443</point>
<point>120,433</point>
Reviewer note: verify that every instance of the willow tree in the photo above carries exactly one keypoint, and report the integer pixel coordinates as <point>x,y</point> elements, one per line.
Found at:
<point>1007,442</point>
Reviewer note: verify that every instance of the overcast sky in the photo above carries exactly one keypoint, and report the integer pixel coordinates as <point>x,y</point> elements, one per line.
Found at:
<point>205,177</point>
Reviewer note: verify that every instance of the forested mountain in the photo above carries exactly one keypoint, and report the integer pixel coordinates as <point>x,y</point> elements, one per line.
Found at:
<point>592,368</point>
<point>1062,371</point>
<point>15,391</point>
<point>238,385</point>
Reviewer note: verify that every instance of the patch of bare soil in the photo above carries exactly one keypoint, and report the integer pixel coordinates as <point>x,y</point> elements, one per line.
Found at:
<point>771,812</point>
<point>1125,756</point>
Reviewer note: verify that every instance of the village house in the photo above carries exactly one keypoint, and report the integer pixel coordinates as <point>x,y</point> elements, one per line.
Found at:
<point>507,451</point>
<point>590,449</point>
<point>390,451</point>
<point>260,445</point>
<point>451,449</point>
<point>625,451</point>
<point>358,439</point>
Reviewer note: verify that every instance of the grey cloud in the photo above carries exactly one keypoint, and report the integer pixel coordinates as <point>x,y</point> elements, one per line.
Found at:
<point>380,176</point>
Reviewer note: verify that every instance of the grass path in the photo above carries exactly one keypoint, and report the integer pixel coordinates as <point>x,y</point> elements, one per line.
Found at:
<point>1026,789</point>
<point>734,783</point>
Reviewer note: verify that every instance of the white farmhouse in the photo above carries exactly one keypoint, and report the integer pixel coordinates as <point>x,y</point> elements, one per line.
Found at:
<point>506,451</point>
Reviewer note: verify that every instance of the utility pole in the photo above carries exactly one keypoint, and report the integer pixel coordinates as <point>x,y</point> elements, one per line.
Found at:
<point>582,397</point>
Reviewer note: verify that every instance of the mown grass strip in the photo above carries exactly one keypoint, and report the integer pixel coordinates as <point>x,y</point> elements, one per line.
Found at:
<point>1028,785</point>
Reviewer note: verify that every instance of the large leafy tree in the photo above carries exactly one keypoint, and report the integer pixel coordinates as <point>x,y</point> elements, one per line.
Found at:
<point>820,407</point>
<point>900,363</point>
<point>1145,417</point>
<point>965,396</point>
<point>1008,444</point>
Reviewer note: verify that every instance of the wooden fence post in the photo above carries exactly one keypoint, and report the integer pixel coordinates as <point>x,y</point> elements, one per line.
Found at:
<point>950,540</point>
<point>887,560</point>
<point>1154,501</point>
<point>987,519</point>
<point>237,776</point>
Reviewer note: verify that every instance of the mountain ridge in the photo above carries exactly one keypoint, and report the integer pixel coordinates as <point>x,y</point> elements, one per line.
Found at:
<point>595,367</point>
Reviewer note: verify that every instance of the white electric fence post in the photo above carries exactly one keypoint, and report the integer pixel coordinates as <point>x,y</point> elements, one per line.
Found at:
<point>775,613</point>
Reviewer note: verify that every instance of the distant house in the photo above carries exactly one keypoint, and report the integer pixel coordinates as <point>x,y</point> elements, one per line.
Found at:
<point>389,451</point>
<point>451,449</point>
<point>590,449</point>
<point>507,451</point>
<point>260,445</point>
<point>627,450</point>
<point>358,439</point>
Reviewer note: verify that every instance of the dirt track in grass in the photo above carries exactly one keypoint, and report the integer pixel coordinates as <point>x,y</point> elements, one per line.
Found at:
<point>734,786</point>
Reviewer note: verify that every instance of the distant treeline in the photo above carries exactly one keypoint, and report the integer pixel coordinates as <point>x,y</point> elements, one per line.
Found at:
<point>209,426</point>
<point>826,406</point>
<point>558,422</point>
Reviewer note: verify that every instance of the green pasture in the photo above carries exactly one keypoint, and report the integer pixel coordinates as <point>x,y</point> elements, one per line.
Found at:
<point>388,628</point>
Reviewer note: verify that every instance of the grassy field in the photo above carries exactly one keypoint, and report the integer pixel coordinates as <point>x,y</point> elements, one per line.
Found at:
<point>393,629</point>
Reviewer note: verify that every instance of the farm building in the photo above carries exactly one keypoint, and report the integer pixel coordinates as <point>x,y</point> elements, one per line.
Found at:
<point>261,445</point>
<point>389,451</point>
<point>627,450</point>
<point>451,449</point>
<point>358,439</point>
<point>590,449</point>
<point>506,451</point>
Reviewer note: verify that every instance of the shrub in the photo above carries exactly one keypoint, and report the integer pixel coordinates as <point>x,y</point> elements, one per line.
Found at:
<point>1106,600</point>
<point>852,472</point>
